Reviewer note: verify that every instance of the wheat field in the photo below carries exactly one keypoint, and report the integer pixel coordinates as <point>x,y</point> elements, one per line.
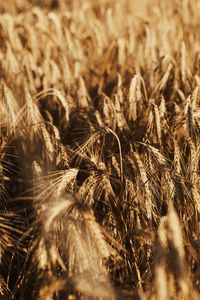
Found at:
<point>100,149</point>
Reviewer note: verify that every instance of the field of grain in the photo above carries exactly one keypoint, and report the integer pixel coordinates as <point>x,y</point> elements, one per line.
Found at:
<point>100,149</point>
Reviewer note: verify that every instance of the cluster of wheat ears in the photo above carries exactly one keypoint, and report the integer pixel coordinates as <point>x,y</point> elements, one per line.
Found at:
<point>100,149</point>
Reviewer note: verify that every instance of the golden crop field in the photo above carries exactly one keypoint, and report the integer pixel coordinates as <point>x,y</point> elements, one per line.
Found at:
<point>100,149</point>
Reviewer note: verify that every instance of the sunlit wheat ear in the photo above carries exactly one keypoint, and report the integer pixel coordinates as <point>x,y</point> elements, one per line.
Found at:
<point>66,71</point>
<point>133,99</point>
<point>158,124</point>
<point>135,159</point>
<point>115,166</point>
<point>121,43</point>
<point>120,119</point>
<point>175,240</point>
<point>32,117</point>
<point>62,156</point>
<point>86,146</point>
<point>51,187</point>
<point>67,177</point>
<point>194,161</point>
<point>92,155</point>
<point>56,20</point>
<point>10,108</point>
<point>177,158</point>
<point>168,187</point>
<point>160,280</point>
<point>97,251</point>
<point>108,130</point>
<point>72,239</point>
<point>97,238</point>
<point>12,63</point>
<point>162,161</point>
<point>107,110</point>
<point>45,252</point>
<point>82,94</point>
<point>119,92</point>
<point>38,174</point>
<point>88,188</point>
<point>49,146</point>
<point>195,98</point>
<point>150,122</point>
<point>162,107</point>
<point>162,84</point>
<point>183,62</point>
